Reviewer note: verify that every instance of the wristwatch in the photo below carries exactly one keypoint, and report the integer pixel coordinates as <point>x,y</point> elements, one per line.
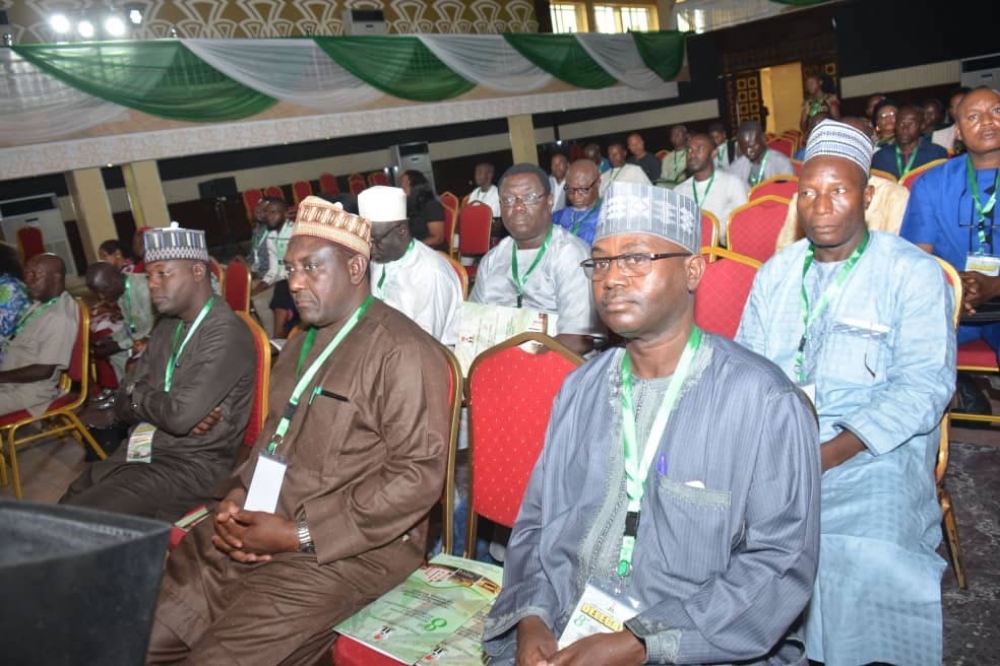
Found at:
<point>128,396</point>
<point>306,544</point>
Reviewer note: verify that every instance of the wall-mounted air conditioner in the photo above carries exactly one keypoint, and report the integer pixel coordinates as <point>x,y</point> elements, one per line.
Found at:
<point>42,212</point>
<point>982,71</point>
<point>364,22</point>
<point>416,156</point>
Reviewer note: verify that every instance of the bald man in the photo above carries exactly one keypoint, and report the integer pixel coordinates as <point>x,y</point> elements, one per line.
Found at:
<point>42,343</point>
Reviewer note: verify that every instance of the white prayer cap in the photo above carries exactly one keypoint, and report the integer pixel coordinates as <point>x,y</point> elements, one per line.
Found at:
<point>631,208</point>
<point>382,204</point>
<point>835,139</point>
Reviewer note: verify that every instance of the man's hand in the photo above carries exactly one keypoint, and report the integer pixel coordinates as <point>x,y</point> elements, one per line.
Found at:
<point>228,533</point>
<point>840,449</point>
<point>105,347</point>
<point>535,642</point>
<point>977,289</point>
<point>208,422</point>
<point>620,648</point>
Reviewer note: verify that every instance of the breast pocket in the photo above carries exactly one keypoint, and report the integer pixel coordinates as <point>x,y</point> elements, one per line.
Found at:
<point>695,534</point>
<point>856,352</point>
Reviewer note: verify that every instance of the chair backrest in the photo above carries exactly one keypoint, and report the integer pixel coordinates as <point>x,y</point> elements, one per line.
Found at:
<point>910,178</point>
<point>754,227</point>
<point>237,283</point>
<point>30,242</point>
<point>377,178</point>
<point>449,200</point>
<point>797,167</point>
<point>450,216</point>
<point>356,183</point>
<point>456,391</point>
<point>783,185</point>
<point>220,275</point>
<point>709,229</point>
<point>783,146</point>
<point>78,370</point>
<point>510,399</point>
<point>261,380</point>
<point>463,275</point>
<point>300,190</point>
<point>328,183</point>
<point>944,445</point>
<point>250,200</point>
<point>660,154</point>
<point>882,174</point>
<point>474,225</point>
<point>274,191</point>
<point>723,291</point>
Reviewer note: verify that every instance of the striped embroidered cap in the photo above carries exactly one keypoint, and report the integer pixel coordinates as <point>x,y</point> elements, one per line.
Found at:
<point>173,242</point>
<point>319,218</point>
<point>835,139</point>
<point>631,208</point>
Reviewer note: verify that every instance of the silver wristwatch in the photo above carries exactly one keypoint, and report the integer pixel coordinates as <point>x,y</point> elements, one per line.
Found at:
<point>306,544</point>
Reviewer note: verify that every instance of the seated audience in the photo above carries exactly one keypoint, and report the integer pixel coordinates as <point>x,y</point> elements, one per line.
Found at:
<point>537,265</point>
<point>330,510</point>
<point>112,252</point>
<point>707,554</point>
<point>139,249</point>
<point>862,321</point>
<point>910,150</point>
<point>424,210</point>
<point>485,190</point>
<point>726,148</point>
<point>188,398</point>
<point>40,346</point>
<point>621,171</point>
<point>814,120</point>
<point>884,119</point>
<point>820,98</point>
<point>873,101</point>
<point>270,241</point>
<point>932,116</point>
<point>673,169</point>
<point>712,189</point>
<point>593,153</point>
<point>557,181</point>
<point>648,162</point>
<point>286,315</point>
<point>946,137</point>
<point>13,295</point>
<point>407,275</point>
<point>757,162</point>
<point>579,217</point>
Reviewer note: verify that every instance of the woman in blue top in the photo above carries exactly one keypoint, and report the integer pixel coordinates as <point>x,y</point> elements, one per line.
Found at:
<point>13,296</point>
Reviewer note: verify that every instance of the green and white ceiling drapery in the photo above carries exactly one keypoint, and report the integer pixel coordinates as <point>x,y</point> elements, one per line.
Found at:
<point>58,89</point>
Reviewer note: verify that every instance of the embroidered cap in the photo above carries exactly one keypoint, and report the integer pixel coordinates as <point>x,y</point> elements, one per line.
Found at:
<point>319,218</point>
<point>835,139</point>
<point>382,204</point>
<point>173,242</point>
<point>631,208</point>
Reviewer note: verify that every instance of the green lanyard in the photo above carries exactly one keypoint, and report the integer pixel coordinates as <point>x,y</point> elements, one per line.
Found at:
<point>306,347</point>
<point>677,162</point>
<point>723,151</point>
<point>175,355</point>
<point>636,472</point>
<point>33,314</point>
<point>982,210</point>
<point>521,280</point>
<point>909,162</point>
<point>306,379</point>
<point>810,316</point>
<point>577,223</point>
<point>694,187</point>
<point>281,241</point>
<point>760,173</point>
<point>381,280</point>
<point>128,306</point>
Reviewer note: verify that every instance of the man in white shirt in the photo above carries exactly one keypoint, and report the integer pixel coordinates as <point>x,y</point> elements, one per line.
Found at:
<point>275,240</point>
<point>406,274</point>
<point>485,190</point>
<point>621,171</point>
<point>557,180</point>
<point>712,189</point>
<point>945,137</point>
<point>758,162</point>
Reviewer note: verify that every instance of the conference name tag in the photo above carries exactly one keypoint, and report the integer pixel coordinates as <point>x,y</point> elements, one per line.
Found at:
<point>265,486</point>
<point>983,263</point>
<point>810,391</point>
<point>140,443</point>
<point>596,613</point>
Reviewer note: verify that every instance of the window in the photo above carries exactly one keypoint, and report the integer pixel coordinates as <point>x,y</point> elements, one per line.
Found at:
<point>625,18</point>
<point>564,17</point>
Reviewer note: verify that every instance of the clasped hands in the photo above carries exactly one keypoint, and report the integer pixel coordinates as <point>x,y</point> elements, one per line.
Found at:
<point>251,536</point>
<point>537,646</point>
<point>977,289</point>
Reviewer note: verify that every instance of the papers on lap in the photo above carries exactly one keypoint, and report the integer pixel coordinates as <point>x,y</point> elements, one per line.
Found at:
<point>484,326</point>
<point>435,616</point>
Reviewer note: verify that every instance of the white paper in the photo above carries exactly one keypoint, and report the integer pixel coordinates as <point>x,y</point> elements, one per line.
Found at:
<point>265,487</point>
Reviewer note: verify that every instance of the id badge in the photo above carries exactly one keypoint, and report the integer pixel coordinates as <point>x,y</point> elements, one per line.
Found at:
<point>597,612</point>
<point>140,443</point>
<point>810,392</point>
<point>265,486</point>
<point>983,263</point>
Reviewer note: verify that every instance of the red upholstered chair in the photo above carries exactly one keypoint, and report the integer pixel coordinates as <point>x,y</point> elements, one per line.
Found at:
<point>754,227</point>
<point>300,190</point>
<point>250,200</point>
<point>274,191</point>
<point>463,275</point>
<point>783,185</point>
<point>449,200</point>
<point>910,178</point>
<point>882,174</point>
<point>723,291</point>
<point>328,183</point>
<point>475,223</point>
<point>377,178</point>
<point>709,230</point>
<point>797,166</point>
<point>660,154</point>
<point>258,414</point>
<point>218,272</point>
<point>356,183</point>
<point>60,416</point>
<point>784,146</point>
<point>237,282</point>
<point>30,242</point>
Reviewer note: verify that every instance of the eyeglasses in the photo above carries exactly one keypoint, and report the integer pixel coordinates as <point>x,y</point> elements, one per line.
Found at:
<point>633,264</point>
<point>887,114</point>
<point>580,190</point>
<point>529,199</point>
<point>377,239</point>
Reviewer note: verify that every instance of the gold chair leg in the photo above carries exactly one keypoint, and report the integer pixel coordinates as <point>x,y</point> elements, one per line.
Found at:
<point>3,465</point>
<point>14,471</point>
<point>85,434</point>
<point>951,539</point>
<point>471,527</point>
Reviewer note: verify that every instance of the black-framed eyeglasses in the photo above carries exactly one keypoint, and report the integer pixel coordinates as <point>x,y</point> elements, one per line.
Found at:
<point>529,199</point>
<point>581,190</point>
<point>632,264</point>
<point>377,239</point>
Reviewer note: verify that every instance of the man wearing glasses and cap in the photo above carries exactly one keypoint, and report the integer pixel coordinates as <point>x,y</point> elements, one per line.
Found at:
<point>862,321</point>
<point>676,496</point>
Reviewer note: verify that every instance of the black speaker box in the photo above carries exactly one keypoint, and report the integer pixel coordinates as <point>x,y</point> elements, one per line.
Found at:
<point>218,188</point>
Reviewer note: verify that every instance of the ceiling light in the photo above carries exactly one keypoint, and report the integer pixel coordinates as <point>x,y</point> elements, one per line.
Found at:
<point>59,24</point>
<point>85,28</point>
<point>135,16</point>
<point>114,26</point>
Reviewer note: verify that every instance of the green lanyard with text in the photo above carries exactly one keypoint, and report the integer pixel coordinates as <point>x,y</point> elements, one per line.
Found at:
<point>694,187</point>
<point>31,315</point>
<point>128,306</point>
<point>982,210</point>
<point>909,162</point>
<point>381,280</point>
<point>307,377</point>
<point>760,173</point>
<point>521,280</point>
<point>636,471</point>
<point>577,223</point>
<point>175,355</point>
<point>810,316</point>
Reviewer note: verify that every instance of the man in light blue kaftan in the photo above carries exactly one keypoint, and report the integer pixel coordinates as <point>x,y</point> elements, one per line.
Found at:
<point>878,352</point>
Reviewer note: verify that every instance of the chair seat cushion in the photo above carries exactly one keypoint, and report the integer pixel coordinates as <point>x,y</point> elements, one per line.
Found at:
<point>21,414</point>
<point>977,354</point>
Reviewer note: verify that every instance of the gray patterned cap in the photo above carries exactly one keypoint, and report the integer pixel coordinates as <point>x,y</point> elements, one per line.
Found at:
<point>173,242</point>
<point>835,139</point>
<point>630,208</point>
